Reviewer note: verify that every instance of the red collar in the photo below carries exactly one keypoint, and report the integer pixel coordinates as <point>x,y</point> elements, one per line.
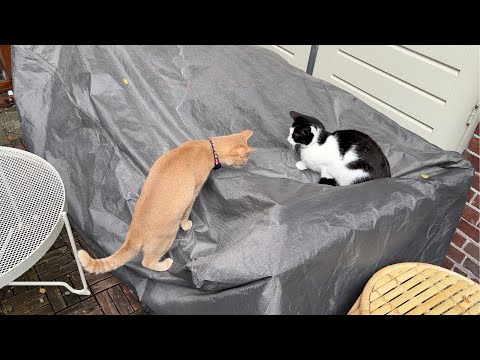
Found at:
<point>217,164</point>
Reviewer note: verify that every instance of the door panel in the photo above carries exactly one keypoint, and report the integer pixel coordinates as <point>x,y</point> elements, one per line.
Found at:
<point>417,70</point>
<point>297,55</point>
<point>430,90</point>
<point>451,55</point>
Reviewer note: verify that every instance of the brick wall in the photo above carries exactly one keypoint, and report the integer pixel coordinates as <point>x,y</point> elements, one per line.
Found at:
<point>463,254</point>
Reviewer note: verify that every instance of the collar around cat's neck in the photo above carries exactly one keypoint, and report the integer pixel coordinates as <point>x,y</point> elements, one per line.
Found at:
<point>217,164</point>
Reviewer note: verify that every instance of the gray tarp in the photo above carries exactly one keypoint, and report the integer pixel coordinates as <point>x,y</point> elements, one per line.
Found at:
<point>266,239</point>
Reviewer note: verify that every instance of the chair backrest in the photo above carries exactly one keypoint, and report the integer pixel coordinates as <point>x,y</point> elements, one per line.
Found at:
<point>416,289</point>
<point>32,198</point>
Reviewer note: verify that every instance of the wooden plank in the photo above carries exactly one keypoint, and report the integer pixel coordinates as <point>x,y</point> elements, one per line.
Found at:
<point>23,297</point>
<point>69,297</point>
<point>136,304</point>
<point>104,284</point>
<point>6,59</point>
<point>142,311</point>
<point>94,278</point>
<point>52,254</point>
<point>77,283</point>
<point>64,233</point>
<point>44,310</point>
<point>106,303</point>
<point>30,275</point>
<point>77,236</point>
<point>5,293</point>
<point>77,244</point>
<point>5,85</point>
<point>24,143</point>
<point>20,289</point>
<point>17,144</point>
<point>53,264</point>
<point>55,298</point>
<point>59,242</point>
<point>7,101</point>
<point>60,271</point>
<point>120,300</point>
<point>29,305</point>
<point>89,306</point>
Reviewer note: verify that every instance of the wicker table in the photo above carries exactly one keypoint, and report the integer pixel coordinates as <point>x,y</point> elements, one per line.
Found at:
<point>33,211</point>
<point>416,289</point>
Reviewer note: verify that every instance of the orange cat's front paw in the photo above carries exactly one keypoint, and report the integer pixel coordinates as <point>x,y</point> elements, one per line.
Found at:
<point>186,225</point>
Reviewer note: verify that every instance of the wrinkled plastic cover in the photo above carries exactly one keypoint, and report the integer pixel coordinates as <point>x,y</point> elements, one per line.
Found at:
<point>266,239</point>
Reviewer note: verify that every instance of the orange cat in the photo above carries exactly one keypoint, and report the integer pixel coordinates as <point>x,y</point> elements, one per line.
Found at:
<point>167,198</point>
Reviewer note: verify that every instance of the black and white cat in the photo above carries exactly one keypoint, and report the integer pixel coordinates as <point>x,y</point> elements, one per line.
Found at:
<point>344,157</point>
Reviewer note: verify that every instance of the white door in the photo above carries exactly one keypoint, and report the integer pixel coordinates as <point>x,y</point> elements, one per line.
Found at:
<point>297,55</point>
<point>428,89</point>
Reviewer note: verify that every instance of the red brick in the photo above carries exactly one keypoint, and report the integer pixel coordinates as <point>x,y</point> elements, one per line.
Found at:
<point>447,264</point>
<point>473,250</point>
<point>458,271</point>
<point>476,201</point>
<point>476,130</point>
<point>470,195</point>
<point>476,182</point>
<point>470,214</point>
<point>458,239</point>
<point>474,144</point>
<point>474,268</point>
<point>473,160</point>
<point>469,230</point>
<point>455,254</point>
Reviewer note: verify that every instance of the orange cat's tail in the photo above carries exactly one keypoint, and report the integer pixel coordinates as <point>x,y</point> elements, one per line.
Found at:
<point>117,259</point>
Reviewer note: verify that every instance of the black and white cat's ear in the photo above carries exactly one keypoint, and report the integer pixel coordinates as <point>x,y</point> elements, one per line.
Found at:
<point>295,115</point>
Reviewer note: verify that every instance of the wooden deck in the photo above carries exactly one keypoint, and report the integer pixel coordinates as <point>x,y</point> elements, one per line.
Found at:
<point>109,295</point>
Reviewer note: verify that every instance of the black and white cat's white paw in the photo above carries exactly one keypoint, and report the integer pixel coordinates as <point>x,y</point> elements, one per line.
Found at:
<point>301,165</point>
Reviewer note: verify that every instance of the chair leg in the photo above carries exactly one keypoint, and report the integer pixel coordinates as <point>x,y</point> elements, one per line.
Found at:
<point>83,291</point>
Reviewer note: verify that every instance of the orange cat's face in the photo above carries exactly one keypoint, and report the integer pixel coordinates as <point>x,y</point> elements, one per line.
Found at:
<point>233,149</point>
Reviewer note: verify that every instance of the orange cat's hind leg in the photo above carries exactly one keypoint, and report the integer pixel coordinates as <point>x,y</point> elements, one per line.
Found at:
<point>186,224</point>
<point>153,252</point>
<point>152,263</point>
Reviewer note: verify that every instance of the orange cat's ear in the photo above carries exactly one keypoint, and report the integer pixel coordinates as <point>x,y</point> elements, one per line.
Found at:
<point>242,150</point>
<point>246,134</point>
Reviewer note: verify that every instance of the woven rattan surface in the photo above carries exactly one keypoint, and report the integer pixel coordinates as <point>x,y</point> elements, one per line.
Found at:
<point>417,289</point>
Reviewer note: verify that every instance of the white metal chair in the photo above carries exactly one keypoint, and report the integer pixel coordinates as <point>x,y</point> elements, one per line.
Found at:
<point>33,211</point>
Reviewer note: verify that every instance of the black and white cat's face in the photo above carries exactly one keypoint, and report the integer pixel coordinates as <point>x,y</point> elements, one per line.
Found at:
<point>301,135</point>
<point>304,129</point>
